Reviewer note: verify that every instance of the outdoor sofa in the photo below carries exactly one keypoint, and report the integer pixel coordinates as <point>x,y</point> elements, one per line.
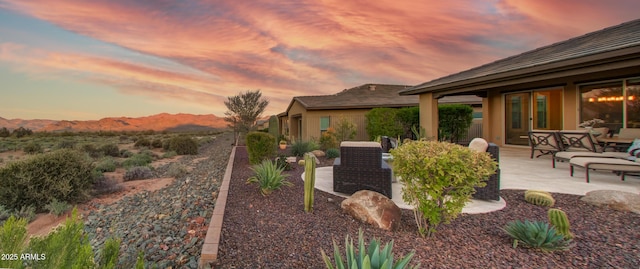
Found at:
<point>360,167</point>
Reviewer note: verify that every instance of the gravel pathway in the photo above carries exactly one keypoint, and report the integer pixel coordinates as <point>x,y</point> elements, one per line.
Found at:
<point>168,225</point>
<point>275,232</point>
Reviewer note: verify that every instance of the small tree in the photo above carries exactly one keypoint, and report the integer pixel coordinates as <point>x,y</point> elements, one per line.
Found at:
<point>243,110</point>
<point>439,178</point>
<point>454,121</point>
<point>4,132</point>
<point>345,129</point>
<point>383,121</point>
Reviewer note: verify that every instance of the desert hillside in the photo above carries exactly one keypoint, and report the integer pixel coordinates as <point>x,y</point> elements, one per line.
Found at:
<point>157,122</point>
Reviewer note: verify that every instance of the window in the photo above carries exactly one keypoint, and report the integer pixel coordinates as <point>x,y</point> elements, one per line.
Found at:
<point>603,101</point>
<point>324,124</point>
<point>516,112</point>
<point>477,115</point>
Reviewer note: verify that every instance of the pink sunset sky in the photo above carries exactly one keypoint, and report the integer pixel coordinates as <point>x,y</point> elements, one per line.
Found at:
<point>80,60</point>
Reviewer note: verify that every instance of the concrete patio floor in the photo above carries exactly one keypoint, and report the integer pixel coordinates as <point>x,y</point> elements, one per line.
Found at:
<point>522,173</point>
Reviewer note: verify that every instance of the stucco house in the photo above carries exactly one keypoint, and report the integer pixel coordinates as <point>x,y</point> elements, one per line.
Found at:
<point>307,117</point>
<point>596,75</point>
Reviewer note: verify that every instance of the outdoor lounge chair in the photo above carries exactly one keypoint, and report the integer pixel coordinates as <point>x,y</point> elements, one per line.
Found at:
<point>632,153</point>
<point>623,167</point>
<point>492,190</point>
<point>545,141</point>
<point>360,167</point>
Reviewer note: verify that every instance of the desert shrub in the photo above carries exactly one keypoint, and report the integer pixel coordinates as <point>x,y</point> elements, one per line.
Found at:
<point>138,159</point>
<point>33,148</point>
<point>13,237</point>
<point>261,146</point>
<point>66,144</point>
<point>371,256</point>
<point>4,132</point>
<point>345,129</point>
<point>453,121</point>
<point>439,178</point>
<point>536,234</point>
<point>142,142</point>
<point>183,145</point>
<point>92,150</point>
<point>62,174</point>
<point>409,118</point>
<point>541,198</point>
<point>21,132</point>
<point>125,153</point>
<point>26,212</point>
<point>169,154</point>
<point>108,257</point>
<point>299,148</point>
<point>332,153</point>
<point>4,215</point>
<point>328,139</point>
<point>281,162</point>
<point>383,122</point>
<point>106,164</point>
<point>110,150</point>
<point>156,143</point>
<point>106,185</point>
<point>269,176</point>
<point>165,144</point>
<point>138,172</point>
<point>57,207</point>
<point>177,170</point>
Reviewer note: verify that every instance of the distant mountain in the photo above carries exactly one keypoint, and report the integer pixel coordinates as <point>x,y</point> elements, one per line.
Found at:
<point>159,122</point>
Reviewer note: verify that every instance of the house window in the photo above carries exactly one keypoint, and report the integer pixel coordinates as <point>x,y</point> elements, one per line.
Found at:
<point>617,103</point>
<point>324,124</point>
<point>477,115</point>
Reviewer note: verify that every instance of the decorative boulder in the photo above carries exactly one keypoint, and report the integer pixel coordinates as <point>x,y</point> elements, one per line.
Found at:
<point>373,208</point>
<point>318,153</point>
<point>619,200</point>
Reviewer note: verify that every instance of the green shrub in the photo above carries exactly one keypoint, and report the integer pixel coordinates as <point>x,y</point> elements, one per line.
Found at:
<point>142,142</point>
<point>332,153</point>
<point>106,164</point>
<point>125,153</point>
<point>281,162</point>
<point>453,121</point>
<point>328,139</point>
<point>299,148</point>
<point>169,154</point>
<point>269,176</point>
<point>541,198</point>
<point>57,207</point>
<point>383,122</point>
<point>13,237</point>
<point>26,212</point>
<point>371,256</point>
<point>108,258</point>
<point>177,170</point>
<point>138,159</point>
<point>92,150</point>
<point>261,146</point>
<point>33,148</point>
<point>4,215</point>
<point>66,144</point>
<point>110,150</point>
<point>183,145</point>
<point>439,178</point>
<point>345,129</point>
<point>536,234</point>
<point>65,174</point>
<point>156,143</point>
<point>138,172</point>
<point>165,144</point>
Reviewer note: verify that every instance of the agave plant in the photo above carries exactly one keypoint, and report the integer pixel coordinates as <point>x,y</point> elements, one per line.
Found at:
<point>366,258</point>
<point>536,234</point>
<point>269,176</point>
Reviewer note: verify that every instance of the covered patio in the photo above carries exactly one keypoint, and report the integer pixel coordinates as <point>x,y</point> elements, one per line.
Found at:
<point>518,171</point>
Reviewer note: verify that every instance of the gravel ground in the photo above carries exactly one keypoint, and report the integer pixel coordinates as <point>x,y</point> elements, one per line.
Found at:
<point>168,225</point>
<point>275,232</point>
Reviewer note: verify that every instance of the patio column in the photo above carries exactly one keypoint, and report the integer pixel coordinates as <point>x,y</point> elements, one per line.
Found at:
<point>429,114</point>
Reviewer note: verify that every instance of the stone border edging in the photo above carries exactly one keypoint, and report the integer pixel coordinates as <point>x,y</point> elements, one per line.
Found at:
<point>212,239</point>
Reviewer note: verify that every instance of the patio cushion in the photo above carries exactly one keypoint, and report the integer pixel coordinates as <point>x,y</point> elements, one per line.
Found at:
<point>568,155</point>
<point>611,164</point>
<point>635,145</point>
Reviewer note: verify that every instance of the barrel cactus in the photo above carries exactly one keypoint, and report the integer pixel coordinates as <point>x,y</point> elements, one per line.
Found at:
<point>559,219</point>
<point>541,198</point>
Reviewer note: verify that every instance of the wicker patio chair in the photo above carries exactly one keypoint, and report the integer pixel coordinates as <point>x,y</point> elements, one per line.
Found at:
<point>360,167</point>
<point>492,190</point>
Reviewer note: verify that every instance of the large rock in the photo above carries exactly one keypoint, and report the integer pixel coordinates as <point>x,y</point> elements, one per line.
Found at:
<point>373,208</point>
<point>318,153</point>
<point>619,200</point>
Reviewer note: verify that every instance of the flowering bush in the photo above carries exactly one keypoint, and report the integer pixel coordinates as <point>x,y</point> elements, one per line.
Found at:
<point>591,123</point>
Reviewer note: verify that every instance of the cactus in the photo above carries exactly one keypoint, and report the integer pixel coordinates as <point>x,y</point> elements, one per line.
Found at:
<point>309,181</point>
<point>559,219</point>
<point>541,198</point>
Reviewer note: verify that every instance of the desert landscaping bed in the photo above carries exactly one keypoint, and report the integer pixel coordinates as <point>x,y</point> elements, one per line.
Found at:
<point>274,231</point>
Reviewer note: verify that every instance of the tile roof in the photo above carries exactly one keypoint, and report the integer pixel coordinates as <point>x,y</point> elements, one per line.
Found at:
<point>623,36</point>
<point>363,96</point>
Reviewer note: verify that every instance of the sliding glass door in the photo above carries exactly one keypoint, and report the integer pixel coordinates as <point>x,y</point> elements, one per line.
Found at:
<point>524,111</point>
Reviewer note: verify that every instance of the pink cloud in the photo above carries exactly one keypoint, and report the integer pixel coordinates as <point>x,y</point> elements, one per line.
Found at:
<point>306,47</point>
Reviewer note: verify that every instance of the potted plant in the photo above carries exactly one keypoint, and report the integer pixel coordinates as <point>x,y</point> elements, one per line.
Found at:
<point>283,144</point>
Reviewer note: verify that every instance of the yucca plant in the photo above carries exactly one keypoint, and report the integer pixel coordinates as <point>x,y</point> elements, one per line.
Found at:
<point>269,176</point>
<point>536,234</point>
<point>366,258</point>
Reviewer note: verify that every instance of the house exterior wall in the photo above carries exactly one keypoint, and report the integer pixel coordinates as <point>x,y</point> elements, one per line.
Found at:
<point>356,116</point>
